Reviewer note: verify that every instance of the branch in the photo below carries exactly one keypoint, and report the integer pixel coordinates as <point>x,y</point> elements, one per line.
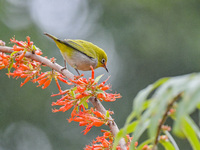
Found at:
<point>41,59</point>
<point>96,103</point>
<point>164,118</point>
<point>112,125</point>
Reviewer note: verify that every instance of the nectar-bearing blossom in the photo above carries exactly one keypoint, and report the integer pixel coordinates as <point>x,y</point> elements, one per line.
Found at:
<point>25,46</point>
<point>4,60</point>
<point>22,66</point>
<point>77,98</point>
<point>105,142</point>
<point>88,118</point>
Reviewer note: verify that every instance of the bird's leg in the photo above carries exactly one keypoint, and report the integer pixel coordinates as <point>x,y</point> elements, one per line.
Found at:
<point>77,71</point>
<point>65,66</point>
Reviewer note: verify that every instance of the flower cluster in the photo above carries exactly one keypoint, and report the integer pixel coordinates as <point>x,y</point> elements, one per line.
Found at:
<point>77,97</point>
<point>23,66</point>
<point>85,89</point>
<point>88,118</point>
<point>25,47</point>
<point>106,142</point>
<point>4,60</point>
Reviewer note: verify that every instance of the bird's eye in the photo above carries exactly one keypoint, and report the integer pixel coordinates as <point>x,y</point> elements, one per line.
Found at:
<point>103,61</point>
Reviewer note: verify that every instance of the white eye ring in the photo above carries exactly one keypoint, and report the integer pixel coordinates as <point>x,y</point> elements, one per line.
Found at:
<point>103,61</point>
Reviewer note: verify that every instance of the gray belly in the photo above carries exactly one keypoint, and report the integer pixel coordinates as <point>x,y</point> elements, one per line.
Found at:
<point>81,61</point>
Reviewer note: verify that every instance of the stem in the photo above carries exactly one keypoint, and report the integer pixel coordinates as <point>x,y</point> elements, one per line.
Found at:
<point>164,118</point>
<point>41,59</point>
<point>96,103</point>
<point>112,125</point>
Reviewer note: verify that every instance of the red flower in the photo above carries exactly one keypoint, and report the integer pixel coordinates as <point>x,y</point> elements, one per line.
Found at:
<point>44,79</point>
<point>88,118</point>
<point>106,142</point>
<point>17,48</point>
<point>79,96</point>
<point>4,60</point>
<point>26,46</point>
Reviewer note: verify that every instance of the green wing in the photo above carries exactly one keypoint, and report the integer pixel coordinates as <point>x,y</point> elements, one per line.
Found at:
<point>82,46</point>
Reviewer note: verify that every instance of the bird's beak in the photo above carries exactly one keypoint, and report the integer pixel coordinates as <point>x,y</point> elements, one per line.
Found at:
<point>105,67</point>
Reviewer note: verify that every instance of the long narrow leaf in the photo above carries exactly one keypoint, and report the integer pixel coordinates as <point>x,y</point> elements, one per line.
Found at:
<point>193,125</point>
<point>167,145</point>
<point>138,132</point>
<point>172,140</point>
<point>142,95</point>
<point>190,135</point>
<point>123,132</point>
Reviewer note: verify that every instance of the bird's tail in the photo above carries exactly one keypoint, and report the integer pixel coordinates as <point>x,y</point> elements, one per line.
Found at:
<point>51,36</point>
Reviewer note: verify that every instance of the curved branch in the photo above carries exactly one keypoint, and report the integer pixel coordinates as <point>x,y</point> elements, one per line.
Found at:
<point>112,125</point>
<point>95,102</point>
<point>41,59</point>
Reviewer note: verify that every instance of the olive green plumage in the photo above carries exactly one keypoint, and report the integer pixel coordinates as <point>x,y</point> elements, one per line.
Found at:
<point>81,54</point>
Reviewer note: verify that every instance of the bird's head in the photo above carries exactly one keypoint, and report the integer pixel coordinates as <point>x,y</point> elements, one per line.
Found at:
<point>102,60</point>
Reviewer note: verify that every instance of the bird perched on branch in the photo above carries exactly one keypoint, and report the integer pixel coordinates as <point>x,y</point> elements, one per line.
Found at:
<point>81,54</point>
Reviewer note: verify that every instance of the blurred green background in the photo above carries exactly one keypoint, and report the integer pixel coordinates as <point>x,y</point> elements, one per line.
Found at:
<point>145,40</point>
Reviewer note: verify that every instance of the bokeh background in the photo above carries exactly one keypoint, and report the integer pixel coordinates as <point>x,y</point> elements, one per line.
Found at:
<point>145,40</point>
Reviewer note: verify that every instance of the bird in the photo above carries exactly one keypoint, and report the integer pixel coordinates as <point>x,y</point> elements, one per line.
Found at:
<point>80,54</point>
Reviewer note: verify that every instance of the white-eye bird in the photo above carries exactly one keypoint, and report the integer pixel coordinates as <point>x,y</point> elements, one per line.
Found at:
<point>81,54</point>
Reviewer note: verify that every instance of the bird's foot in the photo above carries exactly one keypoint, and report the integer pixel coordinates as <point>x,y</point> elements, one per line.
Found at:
<point>63,68</point>
<point>77,71</point>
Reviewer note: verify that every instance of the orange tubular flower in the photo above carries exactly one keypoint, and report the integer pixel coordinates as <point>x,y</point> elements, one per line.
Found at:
<point>4,60</point>
<point>106,142</point>
<point>47,83</point>
<point>92,72</point>
<point>87,118</point>
<point>79,96</point>
<point>25,81</point>
<point>17,48</point>
<point>60,77</point>
<point>104,88</point>
<point>25,46</point>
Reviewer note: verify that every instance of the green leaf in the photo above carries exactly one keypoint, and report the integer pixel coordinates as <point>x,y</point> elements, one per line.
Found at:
<point>177,124</point>
<point>160,104</point>
<point>172,140</point>
<point>117,138</point>
<point>140,98</point>
<point>83,101</point>
<point>167,145</point>
<point>12,60</point>
<point>143,94</point>
<point>198,106</point>
<point>72,93</point>
<point>30,66</point>
<point>98,78</point>
<point>141,127</point>
<point>131,127</point>
<point>13,53</point>
<point>100,91</point>
<point>107,114</point>
<point>193,125</point>
<point>34,47</point>
<point>10,65</point>
<point>190,135</point>
<point>123,132</point>
<point>85,104</point>
<point>160,82</point>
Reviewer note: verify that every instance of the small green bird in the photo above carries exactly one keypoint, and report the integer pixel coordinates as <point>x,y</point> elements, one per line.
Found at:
<point>81,54</point>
